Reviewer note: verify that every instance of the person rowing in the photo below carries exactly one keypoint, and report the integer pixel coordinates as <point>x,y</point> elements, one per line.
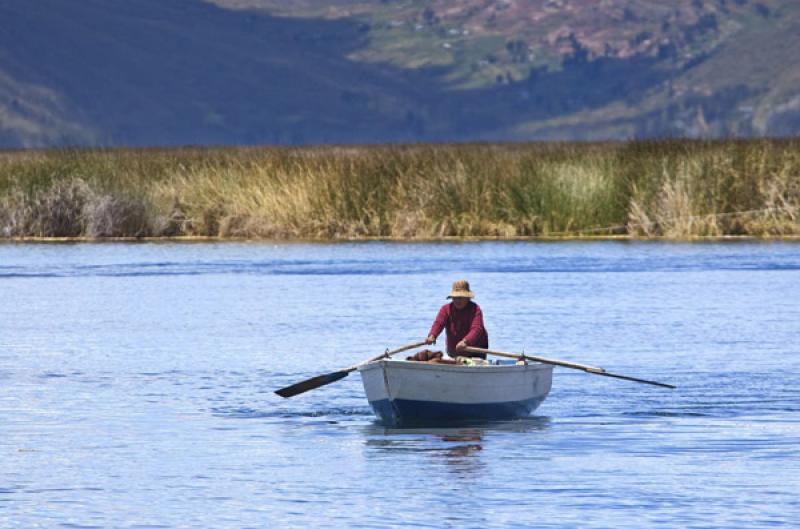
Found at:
<point>466,339</point>
<point>462,320</point>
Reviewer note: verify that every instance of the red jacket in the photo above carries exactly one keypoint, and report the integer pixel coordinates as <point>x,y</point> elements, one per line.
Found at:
<point>465,324</point>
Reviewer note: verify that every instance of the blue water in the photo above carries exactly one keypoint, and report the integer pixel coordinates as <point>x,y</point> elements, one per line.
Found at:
<point>136,386</point>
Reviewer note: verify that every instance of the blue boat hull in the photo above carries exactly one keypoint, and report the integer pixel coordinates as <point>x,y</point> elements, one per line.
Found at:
<point>402,412</point>
<point>406,393</point>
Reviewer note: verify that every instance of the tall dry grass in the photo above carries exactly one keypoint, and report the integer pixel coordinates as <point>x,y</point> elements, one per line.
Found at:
<point>675,189</point>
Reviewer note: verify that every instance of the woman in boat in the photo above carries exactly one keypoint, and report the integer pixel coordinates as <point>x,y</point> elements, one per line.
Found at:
<point>462,320</point>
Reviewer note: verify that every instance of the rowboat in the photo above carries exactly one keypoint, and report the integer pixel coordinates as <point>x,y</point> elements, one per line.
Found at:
<point>407,393</point>
<point>403,392</point>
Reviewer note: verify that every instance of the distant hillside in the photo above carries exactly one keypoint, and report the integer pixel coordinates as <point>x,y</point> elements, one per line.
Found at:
<point>150,72</point>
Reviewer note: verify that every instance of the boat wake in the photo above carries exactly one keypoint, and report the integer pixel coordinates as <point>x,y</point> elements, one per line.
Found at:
<point>252,413</point>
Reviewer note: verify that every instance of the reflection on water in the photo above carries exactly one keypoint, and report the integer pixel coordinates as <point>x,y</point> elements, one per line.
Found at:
<point>475,430</point>
<point>457,448</point>
<point>425,441</point>
<point>460,447</point>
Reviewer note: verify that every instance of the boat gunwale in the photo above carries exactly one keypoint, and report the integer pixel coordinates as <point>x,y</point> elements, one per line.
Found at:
<point>453,368</point>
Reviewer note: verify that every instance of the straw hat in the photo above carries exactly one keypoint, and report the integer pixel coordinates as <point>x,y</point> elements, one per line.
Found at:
<point>461,290</point>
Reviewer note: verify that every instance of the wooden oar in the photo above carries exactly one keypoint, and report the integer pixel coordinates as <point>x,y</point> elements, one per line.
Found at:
<point>588,369</point>
<point>328,378</point>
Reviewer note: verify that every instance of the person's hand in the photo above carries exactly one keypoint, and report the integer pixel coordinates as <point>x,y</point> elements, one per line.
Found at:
<point>460,346</point>
<point>430,339</point>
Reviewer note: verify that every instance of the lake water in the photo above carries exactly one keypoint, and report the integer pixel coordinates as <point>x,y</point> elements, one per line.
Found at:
<point>136,386</point>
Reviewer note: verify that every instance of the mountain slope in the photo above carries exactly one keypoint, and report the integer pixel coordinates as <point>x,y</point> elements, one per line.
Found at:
<point>152,72</point>
<point>148,72</point>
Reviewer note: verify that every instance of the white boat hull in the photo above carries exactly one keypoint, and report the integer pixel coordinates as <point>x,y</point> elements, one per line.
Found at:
<point>402,392</point>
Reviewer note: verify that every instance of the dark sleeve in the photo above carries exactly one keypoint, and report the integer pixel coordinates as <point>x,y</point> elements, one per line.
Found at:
<point>475,328</point>
<point>439,322</point>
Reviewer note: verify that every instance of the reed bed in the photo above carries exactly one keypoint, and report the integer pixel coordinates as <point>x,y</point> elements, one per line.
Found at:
<point>675,189</point>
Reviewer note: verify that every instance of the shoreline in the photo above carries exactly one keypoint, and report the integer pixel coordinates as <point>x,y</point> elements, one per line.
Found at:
<point>400,240</point>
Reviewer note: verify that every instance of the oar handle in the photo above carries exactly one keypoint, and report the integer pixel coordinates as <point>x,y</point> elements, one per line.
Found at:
<point>386,355</point>
<point>562,363</point>
<point>582,367</point>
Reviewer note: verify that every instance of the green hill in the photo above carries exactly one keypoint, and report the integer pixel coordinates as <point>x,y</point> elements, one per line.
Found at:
<point>149,72</point>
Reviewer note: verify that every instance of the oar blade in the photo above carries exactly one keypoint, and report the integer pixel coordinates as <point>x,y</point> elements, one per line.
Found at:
<point>634,379</point>
<point>322,380</point>
<point>311,383</point>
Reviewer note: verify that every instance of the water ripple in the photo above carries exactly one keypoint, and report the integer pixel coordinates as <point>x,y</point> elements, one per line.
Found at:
<point>145,374</point>
<point>787,260</point>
